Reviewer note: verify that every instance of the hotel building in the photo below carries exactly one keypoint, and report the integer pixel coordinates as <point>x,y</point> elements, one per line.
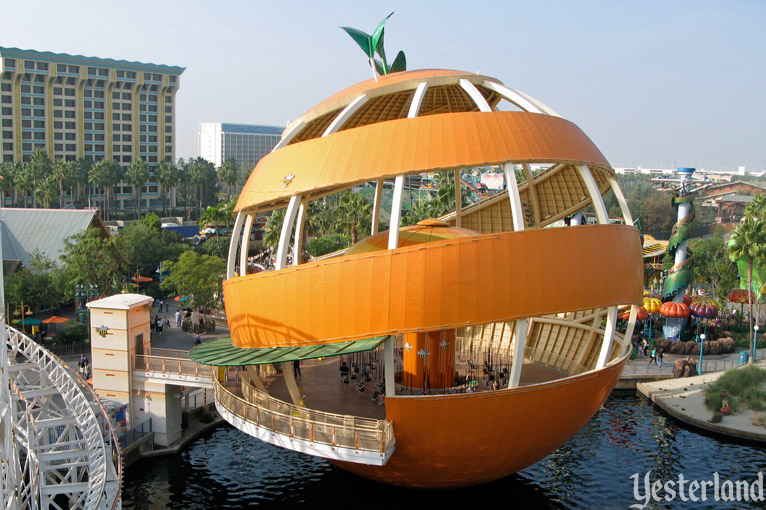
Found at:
<point>244,143</point>
<point>79,107</point>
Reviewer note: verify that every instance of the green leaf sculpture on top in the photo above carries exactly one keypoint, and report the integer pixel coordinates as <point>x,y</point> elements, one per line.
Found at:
<point>372,44</point>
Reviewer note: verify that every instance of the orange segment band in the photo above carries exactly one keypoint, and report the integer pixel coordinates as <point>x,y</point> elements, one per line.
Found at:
<point>423,144</point>
<point>434,286</point>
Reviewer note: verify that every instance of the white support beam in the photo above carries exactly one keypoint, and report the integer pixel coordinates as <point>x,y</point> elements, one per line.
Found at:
<point>520,99</point>
<point>343,116</point>
<point>293,130</point>
<point>396,213</point>
<point>302,210</point>
<point>388,354</point>
<point>376,206</point>
<point>520,334</point>
<point>417,100</point>
<point>458,197</point>
<point>513,194</point>
<point>231,259</point>
<point>595,194</point>
<point>287,229</point>
<point>245,244</point>
<point>621,200</point>
<point>477,96</point>
<point>606,344</point>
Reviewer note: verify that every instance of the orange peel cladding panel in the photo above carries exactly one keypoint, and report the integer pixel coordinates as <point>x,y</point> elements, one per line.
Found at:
<point>461,440</point>
<point>440,285</point>
<point>422,144</point>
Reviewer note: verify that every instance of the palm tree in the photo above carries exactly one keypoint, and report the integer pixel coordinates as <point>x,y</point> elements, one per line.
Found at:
<point>8,171</point>
<point>136,175</point>
<point>62,171</point>
<point>80,181</point>
<point>167,175</point>
<point>357,212</point>
<point>749,241</point>
<point>228,174</point>
<point>47,190</point>
<point>38,168</point>
<point>273,228</point>
<point>220,214</point>
<point>106,173</point>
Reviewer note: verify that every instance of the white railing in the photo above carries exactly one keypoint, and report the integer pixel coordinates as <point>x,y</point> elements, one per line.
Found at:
<point>104,467</point>
<point>316,427</point>
<point>171,362</point>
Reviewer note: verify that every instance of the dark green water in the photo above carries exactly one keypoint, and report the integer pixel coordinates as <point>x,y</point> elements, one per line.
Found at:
<point>228,469</point>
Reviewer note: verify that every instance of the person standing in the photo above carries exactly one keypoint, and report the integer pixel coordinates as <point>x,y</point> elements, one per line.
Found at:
<point>178,318</point>
<point>297,368</point>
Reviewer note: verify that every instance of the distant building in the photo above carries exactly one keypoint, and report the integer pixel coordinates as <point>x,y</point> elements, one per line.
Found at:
<point>75,107</point>
<point>244,143</point>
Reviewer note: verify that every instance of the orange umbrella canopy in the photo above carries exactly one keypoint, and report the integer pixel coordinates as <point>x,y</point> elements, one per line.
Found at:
<point>55,320</point>
<point>426,231</point>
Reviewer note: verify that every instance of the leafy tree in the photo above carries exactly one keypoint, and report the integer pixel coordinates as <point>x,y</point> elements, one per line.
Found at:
<point>748,241</point>
<point>321,218</point>
<point>712,266</point>
<point>228,174</point>
<point>198,275</point>
<point>41,285</point>
<point>136,175</point>
<point>201,173</point>
<point>38,168</point>
<point>90,259</point>
<point>144,244</point>
<point>357,213</point>
<point>9,172</point>
<point>167,175</point>
<point>421,209</point>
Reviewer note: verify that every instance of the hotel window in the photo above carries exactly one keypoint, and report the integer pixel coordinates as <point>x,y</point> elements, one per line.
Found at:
<point>39,135</point>
<point>115,95</point>
<point>115,148</point>
<point>10,62</point>
<point>168,109</point>
<point>58,125</point>
<point>5,87</point>
<point>70,147</point>
<point>29,64</point>
<point>115,116</point>
<point>69,136</point>
<point>39,124</point>
<point>26,135</point>
<point>58,147</point>
<point>8,134</point>
<point>74,69</point>
<point>70,92</point>
<point>69,114</point>
<point>127,148</point>
<point>120,74</point>
<point>57,91</point>
<point>42,66</point>
<point>126,116</point>
<point>61,68</point>
<point>7,122</point>
<point>69,125</point>
<point>115,138</point>
<point>26,123</point>
<point>57,102</point>
<point>126,138</point>
<point>69,103</point>
<point>126,96</point>
<point>26,146</point>
<point>7,100</point>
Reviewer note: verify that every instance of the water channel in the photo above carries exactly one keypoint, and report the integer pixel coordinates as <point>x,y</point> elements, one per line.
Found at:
<point>228,469</point>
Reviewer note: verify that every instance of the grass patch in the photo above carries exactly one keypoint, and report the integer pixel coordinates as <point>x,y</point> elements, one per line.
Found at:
<point>744,386</point>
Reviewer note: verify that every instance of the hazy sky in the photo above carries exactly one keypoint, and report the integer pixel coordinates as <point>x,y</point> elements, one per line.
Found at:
<point>651,83</point>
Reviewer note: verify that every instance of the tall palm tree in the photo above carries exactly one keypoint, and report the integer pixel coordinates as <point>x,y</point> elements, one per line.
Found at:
<point>221,214</point>
<point>136,175</point>
<point>167,175</point>
<point>80,181</point>
<point>47,190</point>
<point>228,174</point>
<point>356,212</point>
<point>106,173</point>
<point>62,171</point>
<point>749,241</point>
<point>39,168</point>
<point>8,171</point>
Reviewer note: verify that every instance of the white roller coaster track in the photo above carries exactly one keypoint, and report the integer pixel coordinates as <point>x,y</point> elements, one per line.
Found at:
<point>54,454</point>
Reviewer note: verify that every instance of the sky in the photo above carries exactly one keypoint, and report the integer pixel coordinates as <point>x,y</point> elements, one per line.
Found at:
<point>652,83</point>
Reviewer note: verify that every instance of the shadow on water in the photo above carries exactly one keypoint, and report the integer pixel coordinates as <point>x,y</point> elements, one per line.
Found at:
<point>228,469</point>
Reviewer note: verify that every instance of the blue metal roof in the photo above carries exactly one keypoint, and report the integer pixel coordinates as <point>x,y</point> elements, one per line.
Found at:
<point>252,129</point>
<point>65,58</point>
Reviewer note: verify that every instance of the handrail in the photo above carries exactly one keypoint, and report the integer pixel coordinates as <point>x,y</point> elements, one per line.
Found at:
<point>79,406</point>
<point>166,365</point>
<point>316,427</point>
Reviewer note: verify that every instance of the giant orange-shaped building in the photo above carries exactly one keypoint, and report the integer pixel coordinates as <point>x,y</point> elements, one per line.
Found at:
<point>491,330</point>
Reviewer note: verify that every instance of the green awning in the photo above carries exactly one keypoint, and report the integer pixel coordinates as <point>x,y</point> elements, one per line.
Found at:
<point>221,352</point>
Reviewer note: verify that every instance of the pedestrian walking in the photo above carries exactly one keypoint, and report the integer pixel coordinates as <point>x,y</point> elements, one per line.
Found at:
<point>660,355</point>
<point>653,357</point>
<point>81,365</point>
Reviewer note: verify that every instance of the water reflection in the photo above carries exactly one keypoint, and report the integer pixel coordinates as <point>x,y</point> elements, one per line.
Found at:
<point>228,469</point>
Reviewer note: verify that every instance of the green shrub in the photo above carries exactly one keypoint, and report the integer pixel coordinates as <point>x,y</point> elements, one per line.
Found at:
<point>743,386</point>
<point>77,332</point>
<point>206,417</point>
<point>325,244</point>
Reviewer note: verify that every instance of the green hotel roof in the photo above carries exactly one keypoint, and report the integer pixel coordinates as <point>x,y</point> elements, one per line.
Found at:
<point>221,352</point>
<point>65,58</point>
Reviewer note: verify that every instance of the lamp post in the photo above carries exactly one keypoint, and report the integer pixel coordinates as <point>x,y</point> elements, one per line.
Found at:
<point>755,341</point>
<point>22,310</point>
<point>702,345</point>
